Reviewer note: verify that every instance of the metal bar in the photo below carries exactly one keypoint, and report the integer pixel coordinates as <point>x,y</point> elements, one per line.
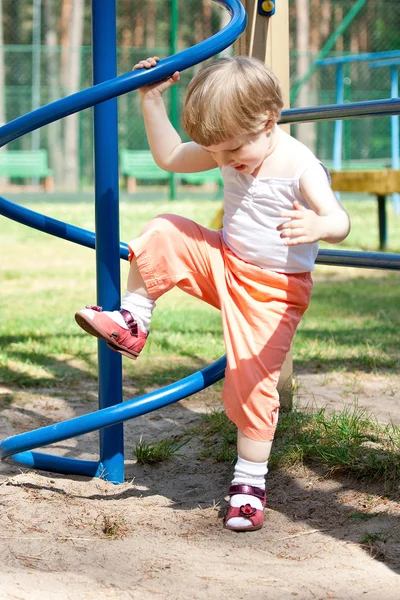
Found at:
<point>36,78</point>
<point>394,132</point>
<point>394,119</point>
<point>106,158</point>
<point>345,258</point>
<point>384,63</point>
<point>107,228</point>
<point>338,128</point>
<point>362,260</point>
<point>382,219</point>
<point>174,90</point>
<point>351,110</point>
<point>59,464</point>
<point>359,57</point>
<point>114,414</point>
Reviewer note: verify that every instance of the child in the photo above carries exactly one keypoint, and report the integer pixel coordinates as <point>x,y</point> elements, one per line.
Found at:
<point>277,203</point>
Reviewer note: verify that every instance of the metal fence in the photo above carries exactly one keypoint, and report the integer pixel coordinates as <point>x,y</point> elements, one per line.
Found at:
<point>34,73</point>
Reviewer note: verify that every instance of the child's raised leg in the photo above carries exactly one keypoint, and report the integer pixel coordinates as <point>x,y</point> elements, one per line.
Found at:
<point>247,491</point>
<point>171,251</point>
<point>124,330</point>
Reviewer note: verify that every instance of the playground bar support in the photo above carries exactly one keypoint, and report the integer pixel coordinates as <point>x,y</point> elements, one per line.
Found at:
<point>394,122</point>
<point>393,64</point>
<point>107,228</point>
<point>379,59</point>
<point>174,90</point>
<point>338,127</point>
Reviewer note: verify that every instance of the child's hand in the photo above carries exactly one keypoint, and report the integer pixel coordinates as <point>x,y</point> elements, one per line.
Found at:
<point>155,89</point>
<point>304,226</point>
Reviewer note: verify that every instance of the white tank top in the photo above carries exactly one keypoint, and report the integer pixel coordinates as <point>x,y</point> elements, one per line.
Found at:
<point>252,213</point>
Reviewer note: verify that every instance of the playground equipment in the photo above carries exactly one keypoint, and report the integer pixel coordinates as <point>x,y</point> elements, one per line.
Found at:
<point>374,59</point>
<point>102,95</point>
<point>371,178</point>
<point>107,86</point>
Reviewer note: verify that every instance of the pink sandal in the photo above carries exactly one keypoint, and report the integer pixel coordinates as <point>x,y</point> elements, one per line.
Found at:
<point>246,511</point>
<point>128,342</point>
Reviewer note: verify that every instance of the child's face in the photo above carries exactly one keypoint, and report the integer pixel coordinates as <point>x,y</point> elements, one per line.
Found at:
<point>244,153</point>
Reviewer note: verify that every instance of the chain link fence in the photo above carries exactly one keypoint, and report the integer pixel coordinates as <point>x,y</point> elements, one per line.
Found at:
<point>367,28</point>
<point>45,54</point>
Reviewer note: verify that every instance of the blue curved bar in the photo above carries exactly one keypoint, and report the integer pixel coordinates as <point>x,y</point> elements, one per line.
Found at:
<point>26,216</point>
<point>49,225</point>
<point>18,444</point>
<point>130,81</point>
<point>350,110</point>
<point>60,464</point>
<point>366,260</point>
<point>108,87</point>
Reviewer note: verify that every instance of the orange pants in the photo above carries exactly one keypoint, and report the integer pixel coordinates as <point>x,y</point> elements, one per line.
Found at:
<point>260,310</point>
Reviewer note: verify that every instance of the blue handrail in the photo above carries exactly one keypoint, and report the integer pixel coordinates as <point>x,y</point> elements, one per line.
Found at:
<point>111,415</point>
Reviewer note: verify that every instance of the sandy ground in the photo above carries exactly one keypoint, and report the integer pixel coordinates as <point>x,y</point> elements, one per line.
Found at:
<point>160,535</point>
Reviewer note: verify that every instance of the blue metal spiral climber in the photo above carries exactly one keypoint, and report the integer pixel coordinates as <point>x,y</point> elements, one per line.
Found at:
<point>107,86</point>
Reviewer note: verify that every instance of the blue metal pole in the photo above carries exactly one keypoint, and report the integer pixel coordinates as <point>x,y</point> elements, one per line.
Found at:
<point>394,122</point>
<point>338,131</point>
<point>107,228</point>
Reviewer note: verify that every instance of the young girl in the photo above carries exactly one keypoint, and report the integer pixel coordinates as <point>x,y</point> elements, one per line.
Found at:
<point>277,203</point>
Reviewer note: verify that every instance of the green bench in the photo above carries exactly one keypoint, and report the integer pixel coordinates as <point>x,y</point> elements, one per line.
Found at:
<point>139,165</point>
<point>204,177</point>
<point>23,164</point>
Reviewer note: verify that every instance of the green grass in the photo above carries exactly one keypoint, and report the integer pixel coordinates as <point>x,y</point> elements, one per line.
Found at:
<point>351,326</point>
<point>151,453</point>
<point>350,442</point>
<point>352,323</point>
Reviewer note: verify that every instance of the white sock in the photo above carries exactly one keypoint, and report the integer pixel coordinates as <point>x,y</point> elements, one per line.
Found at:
<point>248,473</point>
<point>140,307</point>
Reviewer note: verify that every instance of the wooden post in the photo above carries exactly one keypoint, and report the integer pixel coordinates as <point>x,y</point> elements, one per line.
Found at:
<point>267,38</point>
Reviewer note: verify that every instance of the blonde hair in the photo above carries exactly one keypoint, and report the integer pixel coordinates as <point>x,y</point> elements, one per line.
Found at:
<point>230,97</point>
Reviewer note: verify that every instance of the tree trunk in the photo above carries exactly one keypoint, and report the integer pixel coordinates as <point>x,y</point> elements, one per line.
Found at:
<point>3,180</point>
<point>72,75</point>
<point>138,39</point>
<point>151,24</point>
<point>66,8</point>
<point>2,71</point>
<point>315,33</point>
<point>207,16</point>
<point>338,18</point>
<point>54,131</point>
<point>225,18</point>
<point>305,132</point>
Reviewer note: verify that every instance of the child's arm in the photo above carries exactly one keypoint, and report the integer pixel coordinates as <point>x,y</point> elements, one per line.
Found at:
<point>327,221</point>
<point>166,146</point>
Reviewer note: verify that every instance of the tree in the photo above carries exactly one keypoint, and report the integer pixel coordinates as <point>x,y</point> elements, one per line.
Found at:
<point>71,43</point>
<point>52,57</point>
<point>2,78</point>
